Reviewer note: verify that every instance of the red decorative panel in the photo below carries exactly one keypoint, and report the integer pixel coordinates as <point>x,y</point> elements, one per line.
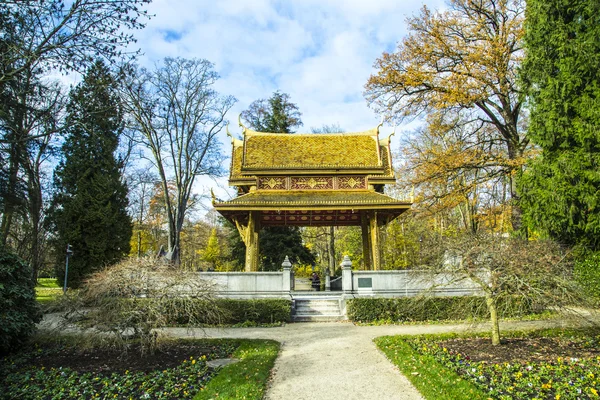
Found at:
<point>312,182</point>
<point>351,182</point>
<point>272,183</point>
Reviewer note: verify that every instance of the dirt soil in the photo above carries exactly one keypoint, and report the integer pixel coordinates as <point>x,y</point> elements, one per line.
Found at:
<point>521,350</point>
<point>106,361</point>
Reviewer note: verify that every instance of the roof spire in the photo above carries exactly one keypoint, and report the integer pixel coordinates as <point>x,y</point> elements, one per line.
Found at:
<point>240,124</point>
<point>380,124</point>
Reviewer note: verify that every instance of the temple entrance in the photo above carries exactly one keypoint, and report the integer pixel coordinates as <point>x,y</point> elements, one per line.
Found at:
<point>311,180</point>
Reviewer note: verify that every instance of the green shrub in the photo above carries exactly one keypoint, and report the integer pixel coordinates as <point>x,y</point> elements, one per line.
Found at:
<point>407,309</point>
<point>260,311</point>
<point>19,311</point>
<point>235,311</point>
<point>587,273</point>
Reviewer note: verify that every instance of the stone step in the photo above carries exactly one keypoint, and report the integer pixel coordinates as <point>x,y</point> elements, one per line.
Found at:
<point>317,318</point>
<point>317,310</point>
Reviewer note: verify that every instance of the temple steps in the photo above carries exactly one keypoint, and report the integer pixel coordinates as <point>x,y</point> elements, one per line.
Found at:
<point>317,309</point>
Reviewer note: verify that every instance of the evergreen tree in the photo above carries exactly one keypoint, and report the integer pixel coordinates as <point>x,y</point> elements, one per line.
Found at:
<point>561,189</point>
<point>90,202</point>
<point>277,115</point>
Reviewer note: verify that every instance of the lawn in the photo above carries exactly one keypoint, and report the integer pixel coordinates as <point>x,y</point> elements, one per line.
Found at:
<point>70,369</point>
<point>550,364</point>
<point>47,290</point>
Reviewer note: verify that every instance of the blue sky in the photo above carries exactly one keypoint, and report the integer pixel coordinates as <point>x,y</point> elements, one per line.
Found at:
<point>321,52</point>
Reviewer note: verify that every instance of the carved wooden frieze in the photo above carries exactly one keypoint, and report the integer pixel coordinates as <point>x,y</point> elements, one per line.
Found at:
<point>312,182</point>
<point>272,183</point>
<point>351,182</point>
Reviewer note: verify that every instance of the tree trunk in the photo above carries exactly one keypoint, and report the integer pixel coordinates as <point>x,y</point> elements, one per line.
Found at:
<point>491,305</point>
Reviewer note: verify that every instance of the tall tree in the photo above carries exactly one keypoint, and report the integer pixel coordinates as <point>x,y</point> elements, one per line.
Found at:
<point>561,188</point>
<point>461,62</point>
<point>276,114</point>
<point>90,203</point>
<point>178,116</point>
<point>38,36</point>
<point>51,34</point>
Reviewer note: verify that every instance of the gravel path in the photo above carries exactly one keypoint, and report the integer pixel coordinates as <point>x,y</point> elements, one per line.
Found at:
<point>338,360</point>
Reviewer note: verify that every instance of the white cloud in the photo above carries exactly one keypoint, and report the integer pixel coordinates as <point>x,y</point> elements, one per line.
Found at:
<point>321,52</point>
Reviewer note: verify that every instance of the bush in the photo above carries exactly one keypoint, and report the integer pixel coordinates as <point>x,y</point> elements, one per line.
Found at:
<point>587,273</point>
<point>19,312</point>
<point>234,311</point>
<point>259,311</point>
<point>409,309</point>
<point>134,298</point>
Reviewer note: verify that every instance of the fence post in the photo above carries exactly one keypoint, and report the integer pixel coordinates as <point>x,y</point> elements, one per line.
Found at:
<point>287,275</point>
<point>347,275</point>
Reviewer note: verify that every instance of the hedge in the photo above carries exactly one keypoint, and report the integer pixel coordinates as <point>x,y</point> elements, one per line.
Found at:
<point>408,309</point>
<point>254,311</point>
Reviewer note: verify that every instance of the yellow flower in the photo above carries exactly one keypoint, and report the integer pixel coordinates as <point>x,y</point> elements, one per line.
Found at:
<point>557,397</point>
<point>193,362</point>
<point>594,392</point>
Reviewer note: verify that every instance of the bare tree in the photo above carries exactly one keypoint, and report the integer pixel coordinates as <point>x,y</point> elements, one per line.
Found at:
<point>532,272</point>
<point>178,115</point>
<point>50,34</point>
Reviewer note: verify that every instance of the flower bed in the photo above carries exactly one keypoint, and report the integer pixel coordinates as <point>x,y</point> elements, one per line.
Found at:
<point>64,372</point>
<point>557,378</point>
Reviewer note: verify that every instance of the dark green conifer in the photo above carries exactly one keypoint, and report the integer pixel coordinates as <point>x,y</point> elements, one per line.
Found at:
<point>561,188</point>
<point>89,206</point>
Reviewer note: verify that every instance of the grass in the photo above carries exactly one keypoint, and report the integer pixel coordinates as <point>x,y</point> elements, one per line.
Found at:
<point>432,380</point>
<point>246,379</point>
<point>47,290</point>
<point>441,373</point>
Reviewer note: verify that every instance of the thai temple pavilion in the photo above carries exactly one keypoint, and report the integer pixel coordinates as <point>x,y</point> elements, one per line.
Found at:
<point>311,180</point>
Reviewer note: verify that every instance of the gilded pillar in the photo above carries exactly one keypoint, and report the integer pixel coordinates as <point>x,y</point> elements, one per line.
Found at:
<point>366,240</point>
<point>252,237</point>
<point>375,242</point>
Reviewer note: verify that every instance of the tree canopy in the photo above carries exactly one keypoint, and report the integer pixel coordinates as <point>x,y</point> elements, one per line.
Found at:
<point>90,203</point>
<point>276,114</point>
<point>561,188</point>
<point>459,68</point>
<point>178,115</point>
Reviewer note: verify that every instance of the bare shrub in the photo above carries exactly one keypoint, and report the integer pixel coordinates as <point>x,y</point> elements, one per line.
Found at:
<point>134,298</point>
<point>537,272</point>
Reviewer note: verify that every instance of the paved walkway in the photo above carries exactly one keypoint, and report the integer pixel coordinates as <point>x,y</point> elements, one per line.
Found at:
<point>339,360</point>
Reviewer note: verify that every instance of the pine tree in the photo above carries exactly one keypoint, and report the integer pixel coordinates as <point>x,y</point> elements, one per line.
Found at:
<point>278,115</point>
<point>90,203</point>
<point>561,189</point>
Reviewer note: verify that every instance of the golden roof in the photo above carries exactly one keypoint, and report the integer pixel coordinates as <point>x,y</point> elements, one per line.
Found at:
<point>314,200</point>
<point>280,151</point>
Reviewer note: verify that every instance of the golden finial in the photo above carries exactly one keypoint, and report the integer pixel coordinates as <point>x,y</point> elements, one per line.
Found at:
<point>380,123</point>
<point>214,198</point>
<point>227,131</point>
<point>412,194</point>
<point>241,124</point>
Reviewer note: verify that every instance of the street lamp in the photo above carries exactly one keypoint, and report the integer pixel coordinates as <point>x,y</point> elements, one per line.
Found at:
<point>69,254</point>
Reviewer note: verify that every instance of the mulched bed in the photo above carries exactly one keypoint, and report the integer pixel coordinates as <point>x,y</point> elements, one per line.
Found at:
<point>113,360</point>
<point>542,349</point>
